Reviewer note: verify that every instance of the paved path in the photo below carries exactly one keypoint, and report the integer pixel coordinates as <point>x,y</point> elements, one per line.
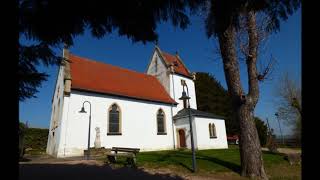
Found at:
<point>48,168</point>
<point>36,159</point>
<point>83,170</point>
<point>91,169</point>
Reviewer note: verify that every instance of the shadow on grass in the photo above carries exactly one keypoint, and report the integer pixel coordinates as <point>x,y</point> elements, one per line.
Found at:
<point>232,166</point>
<point>182,164</point>
<point>170,158</point>
<point>179,158</point>
<point>84,172</point>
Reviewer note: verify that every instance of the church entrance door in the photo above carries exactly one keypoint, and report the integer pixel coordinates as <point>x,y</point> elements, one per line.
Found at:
<point>182,138</point>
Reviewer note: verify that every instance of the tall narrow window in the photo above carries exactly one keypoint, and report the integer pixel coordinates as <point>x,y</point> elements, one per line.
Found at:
<point>212,130</point>
<point>58,114</point>
<point>114,120</point>
<point>58,91</point>
<point>161,122</point>
<point>53,121</point>
<point>156,65</point>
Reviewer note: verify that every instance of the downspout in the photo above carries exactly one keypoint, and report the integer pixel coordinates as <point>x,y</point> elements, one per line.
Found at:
<point>174,97</point>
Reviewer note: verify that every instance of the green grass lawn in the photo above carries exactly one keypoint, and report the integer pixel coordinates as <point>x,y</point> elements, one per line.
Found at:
<point>215,162</point>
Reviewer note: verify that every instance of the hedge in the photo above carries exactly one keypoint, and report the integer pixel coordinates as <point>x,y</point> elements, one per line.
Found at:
<point>36,138</point>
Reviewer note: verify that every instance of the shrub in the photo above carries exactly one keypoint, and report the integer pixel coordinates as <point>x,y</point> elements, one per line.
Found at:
<point>36,138</point>
<point>21,131</point>
<point>262,131</point>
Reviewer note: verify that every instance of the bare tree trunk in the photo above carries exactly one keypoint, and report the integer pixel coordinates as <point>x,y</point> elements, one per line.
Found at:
<point>243,105</point>
<point>250,149</point>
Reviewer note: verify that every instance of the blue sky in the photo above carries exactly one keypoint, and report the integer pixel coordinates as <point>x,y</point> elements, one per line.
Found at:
<point>197,52</point>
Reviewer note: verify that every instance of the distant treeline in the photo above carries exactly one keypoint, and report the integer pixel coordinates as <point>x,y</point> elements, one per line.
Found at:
<point>290,142</point>
<point>35,138</point>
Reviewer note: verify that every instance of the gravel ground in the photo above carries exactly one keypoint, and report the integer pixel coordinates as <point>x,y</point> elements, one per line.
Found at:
<point>47,167</point>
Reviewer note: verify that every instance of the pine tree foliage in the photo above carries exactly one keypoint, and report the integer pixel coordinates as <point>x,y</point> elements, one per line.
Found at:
<point>51,23</point>
<point>212,97</point>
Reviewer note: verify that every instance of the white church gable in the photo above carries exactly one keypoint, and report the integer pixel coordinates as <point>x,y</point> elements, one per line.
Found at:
<point>159,69</point>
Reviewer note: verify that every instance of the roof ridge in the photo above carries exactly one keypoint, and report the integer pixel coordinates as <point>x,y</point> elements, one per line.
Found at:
<point>106,64</point>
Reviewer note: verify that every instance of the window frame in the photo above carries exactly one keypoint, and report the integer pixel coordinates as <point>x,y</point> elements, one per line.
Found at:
<point>212,131</point>
<point>156,65</point>
<point>120,121</point>
<point>164,122</point>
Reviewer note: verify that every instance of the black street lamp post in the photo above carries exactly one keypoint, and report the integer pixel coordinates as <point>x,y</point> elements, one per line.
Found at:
<point>83,111</point>
<point>185,98</point>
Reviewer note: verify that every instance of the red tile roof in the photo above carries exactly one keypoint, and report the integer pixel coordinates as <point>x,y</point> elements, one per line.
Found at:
<point>179,67</point>
<point>99,77</point>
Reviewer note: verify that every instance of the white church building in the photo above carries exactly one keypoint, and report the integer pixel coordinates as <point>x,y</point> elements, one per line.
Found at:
<point>128,108</point>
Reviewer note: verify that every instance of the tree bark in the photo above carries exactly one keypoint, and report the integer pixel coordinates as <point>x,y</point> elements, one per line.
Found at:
<point>243,105</point>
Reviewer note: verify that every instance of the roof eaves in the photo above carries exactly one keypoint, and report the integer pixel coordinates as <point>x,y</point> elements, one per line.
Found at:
<point>183,63</point>
<point>162,57</point>
<point>189,77</point>
<point>120,95</point>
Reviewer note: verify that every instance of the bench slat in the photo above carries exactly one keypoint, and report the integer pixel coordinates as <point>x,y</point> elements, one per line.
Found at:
<point>122,154</point>
<point>135,150</point>
<point>125,148</point>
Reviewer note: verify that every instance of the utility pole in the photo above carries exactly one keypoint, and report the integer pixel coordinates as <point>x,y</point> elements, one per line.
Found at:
<point>277,115</point>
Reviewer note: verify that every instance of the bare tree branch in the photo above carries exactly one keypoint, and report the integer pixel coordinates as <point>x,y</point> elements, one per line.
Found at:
<point>266,70</point>
<point>288,94</point>
<point>251,60</point>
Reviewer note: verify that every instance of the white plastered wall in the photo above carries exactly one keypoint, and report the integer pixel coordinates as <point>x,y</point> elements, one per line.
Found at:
<point>58,97</point>
<point>138,121</point>
<point>203,137</point>
<point>176,91</point>
<point>184,124</point>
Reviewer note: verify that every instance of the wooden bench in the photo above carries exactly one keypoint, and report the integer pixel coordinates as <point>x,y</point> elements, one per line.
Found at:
<point>129,153</point>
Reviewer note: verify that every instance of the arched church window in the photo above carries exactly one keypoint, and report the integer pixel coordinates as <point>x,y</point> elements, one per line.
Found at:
<point>161,125</point>
<point>114,125</point>
<point>212,130</point>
